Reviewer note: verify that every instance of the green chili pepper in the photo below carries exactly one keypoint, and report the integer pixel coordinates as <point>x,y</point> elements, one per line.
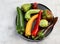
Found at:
<point>40,35</point>
<point>20,21</point>
<point>32,11</point>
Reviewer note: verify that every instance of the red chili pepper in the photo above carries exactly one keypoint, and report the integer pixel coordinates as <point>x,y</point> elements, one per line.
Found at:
<point>35,30</point>
<point>35,5</point>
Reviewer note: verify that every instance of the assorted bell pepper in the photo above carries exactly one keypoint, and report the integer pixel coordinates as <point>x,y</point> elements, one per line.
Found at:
<point>26,7</point>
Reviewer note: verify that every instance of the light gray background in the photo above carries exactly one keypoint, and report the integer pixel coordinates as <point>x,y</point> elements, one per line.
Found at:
<point>8,33</point>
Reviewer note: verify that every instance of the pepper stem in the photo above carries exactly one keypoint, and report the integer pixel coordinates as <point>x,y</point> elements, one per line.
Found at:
<point>33,37</point>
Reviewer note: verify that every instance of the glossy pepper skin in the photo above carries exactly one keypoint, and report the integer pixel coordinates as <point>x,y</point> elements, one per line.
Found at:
<point>35,30</point>
<point>29,25</point>
<point>20,21</point>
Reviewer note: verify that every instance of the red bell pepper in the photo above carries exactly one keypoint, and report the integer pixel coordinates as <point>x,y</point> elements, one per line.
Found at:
<point>35,5</point>
<point>35,29</point>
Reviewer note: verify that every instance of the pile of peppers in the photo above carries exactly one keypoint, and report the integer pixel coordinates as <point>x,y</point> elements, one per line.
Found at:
<point>24,13</point>
<point>33,32</point>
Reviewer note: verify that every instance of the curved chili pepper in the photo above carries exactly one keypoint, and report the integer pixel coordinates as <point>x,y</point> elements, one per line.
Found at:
<point>35,29</point>
<point>29,25</point>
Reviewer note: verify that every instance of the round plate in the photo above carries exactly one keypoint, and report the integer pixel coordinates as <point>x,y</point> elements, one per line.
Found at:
<point>43,7</point>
